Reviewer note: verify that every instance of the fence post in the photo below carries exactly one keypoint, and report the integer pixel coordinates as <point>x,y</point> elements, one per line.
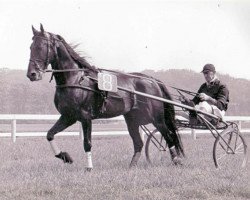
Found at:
<point>13,130</point>
<point>80,131</point>
<point>193,133</point>
<point>239,126</point>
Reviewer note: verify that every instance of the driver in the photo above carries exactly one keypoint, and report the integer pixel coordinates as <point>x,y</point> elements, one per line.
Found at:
<point>212,97</point>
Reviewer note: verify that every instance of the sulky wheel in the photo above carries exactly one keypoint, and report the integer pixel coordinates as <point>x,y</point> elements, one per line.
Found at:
<point>230,149</point>
<point>156,149</point>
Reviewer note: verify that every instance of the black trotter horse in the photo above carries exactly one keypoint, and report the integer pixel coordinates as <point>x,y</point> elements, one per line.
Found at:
<point>77,97</point>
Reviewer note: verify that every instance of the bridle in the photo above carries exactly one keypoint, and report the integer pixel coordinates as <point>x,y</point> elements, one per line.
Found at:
<point>47,60</point>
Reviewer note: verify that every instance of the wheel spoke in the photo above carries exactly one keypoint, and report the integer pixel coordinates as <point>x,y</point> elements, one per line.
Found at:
<point>239,152</point>
<point>222,156</point>
<point>240,147</point>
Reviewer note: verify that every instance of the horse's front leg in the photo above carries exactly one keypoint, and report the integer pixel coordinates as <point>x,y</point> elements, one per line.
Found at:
<point>59,126</point>
<point>87,128</point>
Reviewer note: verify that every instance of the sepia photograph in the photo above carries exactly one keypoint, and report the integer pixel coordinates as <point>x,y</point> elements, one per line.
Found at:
<point>125,99</point>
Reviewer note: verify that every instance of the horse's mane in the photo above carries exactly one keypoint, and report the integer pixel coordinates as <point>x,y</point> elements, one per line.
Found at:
<point>80,60</point>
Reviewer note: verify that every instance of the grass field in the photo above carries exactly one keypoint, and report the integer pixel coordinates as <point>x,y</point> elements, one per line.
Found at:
<point>30,171</point>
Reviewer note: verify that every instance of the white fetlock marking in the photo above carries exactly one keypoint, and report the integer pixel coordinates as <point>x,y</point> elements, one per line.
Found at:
<point>173,147</point>
<point>54,147</point>
<point>89,160</point>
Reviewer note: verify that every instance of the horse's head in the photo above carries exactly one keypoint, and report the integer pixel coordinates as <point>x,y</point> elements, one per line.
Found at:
<point>41,53</point>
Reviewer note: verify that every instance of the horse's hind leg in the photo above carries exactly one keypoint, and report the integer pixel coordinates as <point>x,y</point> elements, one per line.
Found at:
<point>133,129</point>
<point>59,126</point>
<point>169,137</point>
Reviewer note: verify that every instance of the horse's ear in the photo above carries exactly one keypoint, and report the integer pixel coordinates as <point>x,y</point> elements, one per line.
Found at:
<point>41,28</point>
<point>34,30</point>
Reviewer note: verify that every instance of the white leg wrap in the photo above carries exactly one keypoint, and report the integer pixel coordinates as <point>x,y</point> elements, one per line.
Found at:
<point>54,147</point>
<point>173,147</point>
<point>89,160</point>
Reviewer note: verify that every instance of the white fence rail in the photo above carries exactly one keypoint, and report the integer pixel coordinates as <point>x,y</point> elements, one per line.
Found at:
<point>13,118</point>
<point>14,133</point>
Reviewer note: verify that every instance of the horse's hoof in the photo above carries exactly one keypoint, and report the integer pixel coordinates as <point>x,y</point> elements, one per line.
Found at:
<point>88,169</point>
<point>177,161</point>
<point>65,157</point>
<point>132,165</point>
<point>135,159</point>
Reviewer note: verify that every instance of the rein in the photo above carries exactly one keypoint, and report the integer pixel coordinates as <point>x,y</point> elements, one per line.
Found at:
<point>46,61</point>
<point>63,70</point>
<point>78,86</point>
<point>180,91</point>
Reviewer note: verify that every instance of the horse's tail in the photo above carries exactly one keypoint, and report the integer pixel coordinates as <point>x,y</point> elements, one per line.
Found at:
<point>169,114</point>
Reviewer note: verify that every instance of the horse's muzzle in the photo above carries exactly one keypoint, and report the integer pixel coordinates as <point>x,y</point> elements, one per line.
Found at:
<point>34,76</point>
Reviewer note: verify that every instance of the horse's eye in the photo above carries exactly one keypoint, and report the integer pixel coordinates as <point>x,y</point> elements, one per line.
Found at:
<point>39,48</point>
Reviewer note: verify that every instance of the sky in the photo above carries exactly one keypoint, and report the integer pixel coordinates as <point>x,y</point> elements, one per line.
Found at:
<point>134,35</point>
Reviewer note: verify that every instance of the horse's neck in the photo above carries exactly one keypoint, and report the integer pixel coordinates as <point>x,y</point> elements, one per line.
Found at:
<point>65,62</point>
